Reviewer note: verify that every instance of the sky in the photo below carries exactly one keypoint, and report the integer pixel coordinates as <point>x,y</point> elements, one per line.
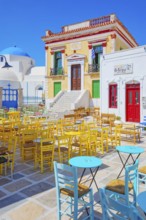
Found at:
<point>24,22</point>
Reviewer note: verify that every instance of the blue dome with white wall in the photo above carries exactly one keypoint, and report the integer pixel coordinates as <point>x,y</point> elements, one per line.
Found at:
<point>14,51</point>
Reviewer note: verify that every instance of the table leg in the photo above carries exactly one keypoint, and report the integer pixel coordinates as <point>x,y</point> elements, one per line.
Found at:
<point>93,174</point>
<point>124,164</point>
<point>134,160</point>
<point>93,177</point>
<point>82,175</point>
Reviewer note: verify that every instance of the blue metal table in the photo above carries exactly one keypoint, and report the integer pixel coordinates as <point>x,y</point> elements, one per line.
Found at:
<point>87,162</point>
<point>131,151</point>
<point>141,200</point>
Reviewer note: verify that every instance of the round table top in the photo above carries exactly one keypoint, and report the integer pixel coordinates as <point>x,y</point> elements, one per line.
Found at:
<point>141,199</point>
<point>130,149</point>
<point>85,162</point>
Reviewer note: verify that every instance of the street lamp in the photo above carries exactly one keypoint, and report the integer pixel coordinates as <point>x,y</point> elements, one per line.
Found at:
<point>6,63</point>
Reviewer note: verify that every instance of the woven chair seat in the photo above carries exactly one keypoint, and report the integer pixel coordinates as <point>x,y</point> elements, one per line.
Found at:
<point>118,186</point>
<point>82,190</point>
<point>142,169</point>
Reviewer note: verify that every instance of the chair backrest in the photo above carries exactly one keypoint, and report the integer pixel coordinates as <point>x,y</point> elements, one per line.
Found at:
<point>113,209</point>
<point>105,132</point>
<point>66,178</point>
<point>131,176</point>
<point>47,145</point>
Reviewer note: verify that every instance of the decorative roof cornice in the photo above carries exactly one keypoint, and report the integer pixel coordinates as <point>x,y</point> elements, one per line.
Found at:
<point>91,30</point>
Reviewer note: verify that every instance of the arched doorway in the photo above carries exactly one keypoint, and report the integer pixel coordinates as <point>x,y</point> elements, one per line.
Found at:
<point>39,93</point>
<point>133,102</point>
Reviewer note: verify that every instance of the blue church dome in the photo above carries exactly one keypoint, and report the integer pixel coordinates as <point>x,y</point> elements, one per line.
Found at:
<point>14,51</point>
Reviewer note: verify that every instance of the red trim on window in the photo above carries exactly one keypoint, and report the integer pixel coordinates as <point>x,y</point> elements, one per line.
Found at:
<point>113,96</point>
<point>104,44</point>
<point>113,36</point>
<point>89,46</point>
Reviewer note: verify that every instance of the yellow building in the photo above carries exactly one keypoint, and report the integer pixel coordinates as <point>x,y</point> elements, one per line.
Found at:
<point>73,55</point>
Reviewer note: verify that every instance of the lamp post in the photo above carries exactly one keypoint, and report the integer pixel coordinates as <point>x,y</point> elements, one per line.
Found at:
<point>6,63</point>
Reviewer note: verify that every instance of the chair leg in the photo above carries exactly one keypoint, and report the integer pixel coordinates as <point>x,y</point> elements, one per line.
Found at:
<point>75,210</point>
<point>91,204</point>
<point>11,170</point>
<point>5,167</point>
<point>59,208</point>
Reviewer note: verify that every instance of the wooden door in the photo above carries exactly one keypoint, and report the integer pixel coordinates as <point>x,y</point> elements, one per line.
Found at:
<point>133,102</point>
<point>76,77</point>
<point>95,89</point>
<point>57,88</point>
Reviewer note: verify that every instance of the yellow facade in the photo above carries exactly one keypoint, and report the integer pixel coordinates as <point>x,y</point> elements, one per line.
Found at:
<point>76,44</point>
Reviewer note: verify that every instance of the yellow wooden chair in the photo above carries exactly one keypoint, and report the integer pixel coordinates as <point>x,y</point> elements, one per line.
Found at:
<point>63,148</point>
<point>80,145</point>
<point>11,150</point>
<point>114,139</point>
<point>102,139</point>
<point>28,145</point>
<point>93,143</point>
<point>45,154</point>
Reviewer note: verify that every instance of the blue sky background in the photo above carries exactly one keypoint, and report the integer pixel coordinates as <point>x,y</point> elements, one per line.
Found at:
<point>24,22</point>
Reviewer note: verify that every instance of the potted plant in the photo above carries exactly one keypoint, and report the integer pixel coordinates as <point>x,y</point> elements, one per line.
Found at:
<point>118,120</point>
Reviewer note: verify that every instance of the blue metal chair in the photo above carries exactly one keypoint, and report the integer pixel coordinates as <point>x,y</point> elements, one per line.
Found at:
<point>142,175</point>
<point>113,209</point>
<point>143,123</point>
<point>121,189</point>
<point>70,194</point>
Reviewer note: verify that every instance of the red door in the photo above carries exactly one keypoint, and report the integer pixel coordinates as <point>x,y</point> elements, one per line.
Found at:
<point>133,102</point>
<point>76,77</point>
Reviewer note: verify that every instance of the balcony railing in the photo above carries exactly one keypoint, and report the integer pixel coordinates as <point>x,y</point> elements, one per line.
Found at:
<point>56,71</point>
<point>93,68</point>
<point>100,20</point>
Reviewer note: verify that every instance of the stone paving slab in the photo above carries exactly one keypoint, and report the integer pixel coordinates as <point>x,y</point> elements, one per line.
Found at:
<point>16,186</point>
<point>31,209</point>
<point>32,195</point>
<point>36,188</point>
<point>10,200</point>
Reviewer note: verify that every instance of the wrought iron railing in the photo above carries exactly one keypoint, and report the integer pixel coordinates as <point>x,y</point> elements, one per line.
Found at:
<point>56,71</point>
<point>93,68</point>
<point>100,20</point>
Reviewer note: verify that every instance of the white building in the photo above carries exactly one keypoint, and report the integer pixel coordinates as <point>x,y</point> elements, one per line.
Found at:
<point>123,84</point>
<point>22,83</point>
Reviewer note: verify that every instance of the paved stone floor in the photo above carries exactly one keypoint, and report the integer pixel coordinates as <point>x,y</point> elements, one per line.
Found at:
<point>32,196</point>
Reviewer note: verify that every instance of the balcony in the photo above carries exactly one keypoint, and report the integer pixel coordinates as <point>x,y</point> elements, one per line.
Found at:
<point>100,20</point>
<point>56,71</point>
<point>93,68</point>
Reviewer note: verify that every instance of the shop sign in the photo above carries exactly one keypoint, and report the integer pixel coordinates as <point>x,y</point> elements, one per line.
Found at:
<point>123,69</point>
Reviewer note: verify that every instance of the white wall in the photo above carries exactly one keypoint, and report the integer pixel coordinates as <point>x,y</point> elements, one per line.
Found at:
<point>30,84</point>
<point>23,75</point>
<point>137,58</point>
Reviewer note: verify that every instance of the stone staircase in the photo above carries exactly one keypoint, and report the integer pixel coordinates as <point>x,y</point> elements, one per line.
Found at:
<point>64,103</point>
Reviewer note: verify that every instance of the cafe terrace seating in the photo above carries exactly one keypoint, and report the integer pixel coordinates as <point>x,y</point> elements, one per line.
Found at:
<point>121,189</point>
<point>91,137</point>
<point>44,154</point>
<point>72,198</point>
<point>114,209</point>
<point>142,175</point>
